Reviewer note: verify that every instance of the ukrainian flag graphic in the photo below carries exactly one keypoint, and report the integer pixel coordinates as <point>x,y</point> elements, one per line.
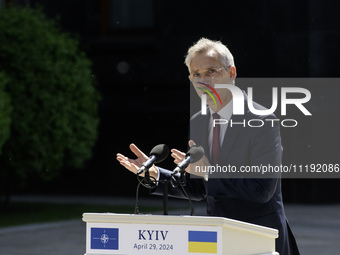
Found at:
<point>202,241</point>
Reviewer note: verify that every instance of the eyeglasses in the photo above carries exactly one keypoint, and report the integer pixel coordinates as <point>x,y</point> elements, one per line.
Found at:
<point>209,72</point>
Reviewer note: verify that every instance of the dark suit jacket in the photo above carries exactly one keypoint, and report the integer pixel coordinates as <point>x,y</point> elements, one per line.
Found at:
<point>245,198</point>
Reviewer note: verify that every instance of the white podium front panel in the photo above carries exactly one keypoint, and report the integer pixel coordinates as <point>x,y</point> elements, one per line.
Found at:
<point>122,234</point>
<point>148,239</point>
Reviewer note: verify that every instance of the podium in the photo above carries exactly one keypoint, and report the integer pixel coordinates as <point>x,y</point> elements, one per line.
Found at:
<point>110,233</point>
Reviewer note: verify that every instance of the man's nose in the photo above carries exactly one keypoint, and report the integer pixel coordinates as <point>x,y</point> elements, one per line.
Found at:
<point>206,80</point>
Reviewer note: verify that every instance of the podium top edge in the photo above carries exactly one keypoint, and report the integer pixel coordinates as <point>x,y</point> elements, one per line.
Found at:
<point>177,220</point>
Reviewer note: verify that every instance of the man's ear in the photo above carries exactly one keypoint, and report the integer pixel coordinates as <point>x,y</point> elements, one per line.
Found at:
<point>232,72</point>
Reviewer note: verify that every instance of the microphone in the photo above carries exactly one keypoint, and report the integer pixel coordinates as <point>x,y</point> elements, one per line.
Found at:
<point>194,154</point>
<point>157,154</point>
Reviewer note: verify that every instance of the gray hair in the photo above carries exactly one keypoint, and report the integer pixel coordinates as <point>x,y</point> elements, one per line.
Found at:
<point>204,45</point>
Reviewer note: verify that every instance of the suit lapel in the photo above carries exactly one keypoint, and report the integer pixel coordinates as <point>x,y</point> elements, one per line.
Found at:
<point>201,133</point>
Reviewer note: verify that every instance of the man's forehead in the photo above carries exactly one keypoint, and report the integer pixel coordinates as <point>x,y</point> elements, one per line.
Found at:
<point>204,60</point>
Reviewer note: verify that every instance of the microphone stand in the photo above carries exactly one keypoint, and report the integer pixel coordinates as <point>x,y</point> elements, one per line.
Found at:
<point>182,183</point>
<point>147,176</point>
<point>182,179</point>
<point>165,197</point>
<point>146,182</point>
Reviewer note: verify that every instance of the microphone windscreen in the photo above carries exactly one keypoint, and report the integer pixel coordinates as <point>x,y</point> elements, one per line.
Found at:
<point>161,151</point>
<point>196,153</point>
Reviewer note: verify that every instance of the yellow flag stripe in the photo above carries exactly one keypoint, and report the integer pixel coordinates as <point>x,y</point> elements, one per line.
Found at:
<point>202,247</point>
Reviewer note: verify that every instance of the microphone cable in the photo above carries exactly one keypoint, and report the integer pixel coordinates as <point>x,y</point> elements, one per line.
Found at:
<point>148,182</point>
<point>182,184</point>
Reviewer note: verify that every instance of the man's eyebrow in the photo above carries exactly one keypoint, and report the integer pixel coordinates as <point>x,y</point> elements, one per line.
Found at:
<point>210,67</point>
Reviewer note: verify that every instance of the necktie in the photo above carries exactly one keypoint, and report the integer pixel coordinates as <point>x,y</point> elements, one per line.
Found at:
<point>216,140</point>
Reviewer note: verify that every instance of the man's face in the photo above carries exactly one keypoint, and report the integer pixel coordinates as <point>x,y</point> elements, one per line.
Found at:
<point>206,70</point>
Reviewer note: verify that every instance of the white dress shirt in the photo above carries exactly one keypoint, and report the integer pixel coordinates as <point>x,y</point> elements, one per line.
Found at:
<point>225,113</point>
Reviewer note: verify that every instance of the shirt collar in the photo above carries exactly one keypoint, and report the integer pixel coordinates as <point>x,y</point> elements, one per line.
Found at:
<point>226,112</point>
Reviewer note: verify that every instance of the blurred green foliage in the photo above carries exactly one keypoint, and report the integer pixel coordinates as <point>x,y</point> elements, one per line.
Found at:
<point>48,91</point>
<point>5,111</point>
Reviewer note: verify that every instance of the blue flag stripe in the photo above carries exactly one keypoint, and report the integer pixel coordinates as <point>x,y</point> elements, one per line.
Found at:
<point>203,236</point>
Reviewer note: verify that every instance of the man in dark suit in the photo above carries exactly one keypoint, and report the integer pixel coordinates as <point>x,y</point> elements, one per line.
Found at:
<point>241,196</point>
